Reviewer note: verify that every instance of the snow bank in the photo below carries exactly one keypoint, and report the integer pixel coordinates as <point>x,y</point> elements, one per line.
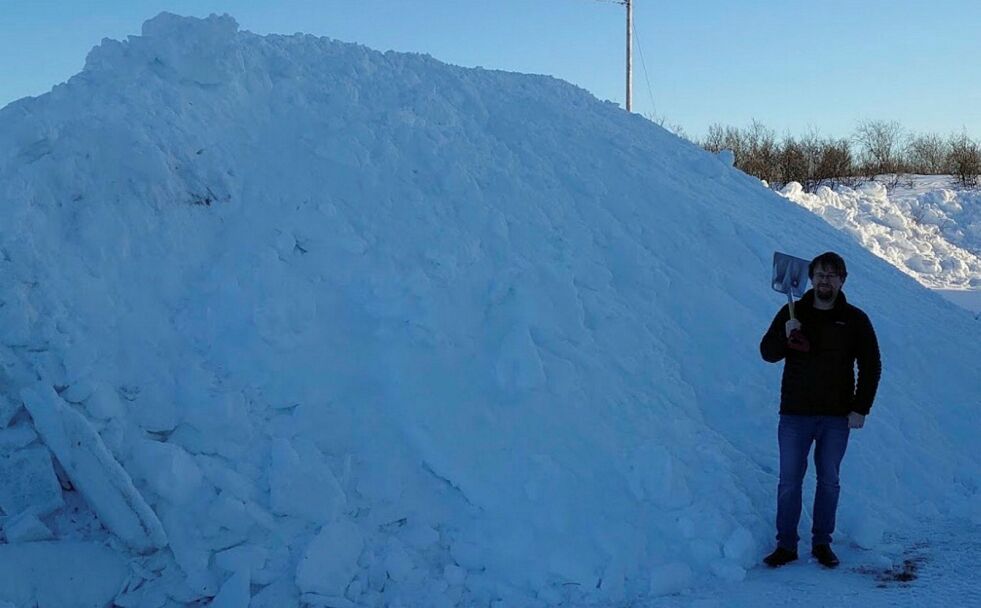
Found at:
<point>929,229</point>
<point>368,329</point>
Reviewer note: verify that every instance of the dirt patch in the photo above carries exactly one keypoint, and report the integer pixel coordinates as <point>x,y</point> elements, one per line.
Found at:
<point>903,573</point>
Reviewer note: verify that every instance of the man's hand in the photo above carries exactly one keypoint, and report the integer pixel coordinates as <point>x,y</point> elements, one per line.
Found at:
<point>791,325</point>
<point>855,420</point>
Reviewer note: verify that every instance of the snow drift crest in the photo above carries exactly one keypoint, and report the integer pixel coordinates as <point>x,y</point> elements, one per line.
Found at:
<point>202,52</point>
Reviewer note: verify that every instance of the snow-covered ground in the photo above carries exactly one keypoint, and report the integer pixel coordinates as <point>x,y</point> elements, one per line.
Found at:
<point>965,298</point>
<point>289,321</point>
<point>928,226</point>
<point>934,566</point>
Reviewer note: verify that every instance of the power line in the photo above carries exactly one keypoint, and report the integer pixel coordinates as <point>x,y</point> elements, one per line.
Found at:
<point>650,89</point>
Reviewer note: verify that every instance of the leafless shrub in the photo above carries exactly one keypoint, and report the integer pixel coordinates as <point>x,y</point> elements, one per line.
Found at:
<point>877,148</point>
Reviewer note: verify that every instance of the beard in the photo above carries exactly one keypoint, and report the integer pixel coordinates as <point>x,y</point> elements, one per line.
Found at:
<point>824,293</point>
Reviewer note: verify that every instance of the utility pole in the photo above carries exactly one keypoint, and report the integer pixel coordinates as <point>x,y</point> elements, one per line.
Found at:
<point>630,54</point>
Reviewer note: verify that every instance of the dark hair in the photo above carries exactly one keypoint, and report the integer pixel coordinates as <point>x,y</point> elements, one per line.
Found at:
<point>829,259</point>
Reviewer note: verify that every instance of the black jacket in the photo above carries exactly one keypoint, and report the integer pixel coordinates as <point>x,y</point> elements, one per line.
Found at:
<point>822,381</point>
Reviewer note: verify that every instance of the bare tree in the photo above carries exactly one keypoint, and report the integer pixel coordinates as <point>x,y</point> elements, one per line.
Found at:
<point>880,144</point>
<point>927,154</point>
<point>721,138</point>
<point>811,143</point>
<point>793,162</point>
<point>834,164</point>
<point>761,152</point>
<point>964,159</point>
<point>713,142</point>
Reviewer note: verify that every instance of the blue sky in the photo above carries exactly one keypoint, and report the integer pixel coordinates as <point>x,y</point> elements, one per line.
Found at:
<point>792,64</point>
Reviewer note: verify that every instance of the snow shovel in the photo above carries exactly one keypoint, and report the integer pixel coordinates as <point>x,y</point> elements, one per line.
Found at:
<point>790,277</point>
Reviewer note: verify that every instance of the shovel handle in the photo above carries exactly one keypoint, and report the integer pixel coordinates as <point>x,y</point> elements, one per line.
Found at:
<point>790,304</point>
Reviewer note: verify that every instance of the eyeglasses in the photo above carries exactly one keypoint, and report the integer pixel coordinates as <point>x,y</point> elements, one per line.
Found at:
<point>821,276</point>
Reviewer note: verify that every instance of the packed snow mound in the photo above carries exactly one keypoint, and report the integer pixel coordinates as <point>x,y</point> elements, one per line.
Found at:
<point>929,228</point>
<point>363,328</point>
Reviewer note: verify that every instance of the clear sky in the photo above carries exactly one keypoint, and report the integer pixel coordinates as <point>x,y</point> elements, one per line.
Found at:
<point>792,64</point>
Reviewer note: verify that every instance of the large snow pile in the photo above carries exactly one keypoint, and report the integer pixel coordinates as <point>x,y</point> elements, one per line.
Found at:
<point>929,228</point>
<point>285,319</point>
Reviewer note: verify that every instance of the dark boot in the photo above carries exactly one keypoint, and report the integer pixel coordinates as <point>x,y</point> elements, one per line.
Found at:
<point>780,557</point>
<point>825,556</point>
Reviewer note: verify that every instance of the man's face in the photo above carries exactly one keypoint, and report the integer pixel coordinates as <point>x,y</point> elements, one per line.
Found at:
<point>827,283</point>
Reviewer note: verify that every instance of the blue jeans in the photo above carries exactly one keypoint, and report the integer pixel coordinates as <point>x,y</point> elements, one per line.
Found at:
<point>795,435</point>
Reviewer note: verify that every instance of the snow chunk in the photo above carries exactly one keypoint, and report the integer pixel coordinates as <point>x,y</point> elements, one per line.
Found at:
<point>24,528</point>
<point>28,483</point>
<point>198,50</point>
<point>154,408</point>
<point>105,485</point>
<point>728,571</point>
<point>866,531</point>
<point>79,361</point>
<point>168,469</point>
<point>276,595</point>
<point>242,557</point>
<point>8,409</point>
<point>183,49</point>
<point>16,437</point>
<point>219,472</point>
<point>656,475</point>
<point>792,190</point>
<point>740,547</point>
<point>331,560</point>
<point>102,402</point>
<point>235,593</point>
<point>301,482</point>
<point>78,392</point>
<point>398,562</point>
<point>175,28</point>
<point>922,264</point>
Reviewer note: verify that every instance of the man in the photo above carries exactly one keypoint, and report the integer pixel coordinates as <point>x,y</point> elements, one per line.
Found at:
<point>819,400</point>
